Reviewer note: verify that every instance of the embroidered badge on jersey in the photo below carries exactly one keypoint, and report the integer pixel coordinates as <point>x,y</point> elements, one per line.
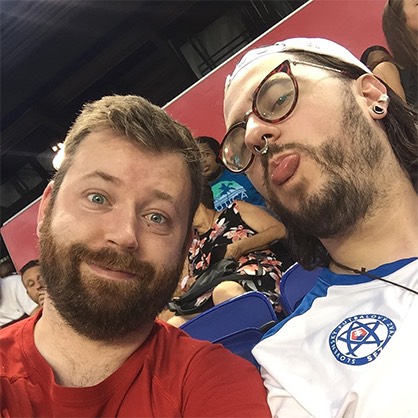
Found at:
<point>360,339</point>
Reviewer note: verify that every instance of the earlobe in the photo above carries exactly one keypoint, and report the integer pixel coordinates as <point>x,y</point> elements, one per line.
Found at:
<point>46,198</point>
<point>375,93</point>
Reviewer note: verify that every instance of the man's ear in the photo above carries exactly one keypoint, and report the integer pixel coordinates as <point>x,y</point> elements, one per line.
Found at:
<point>46,198</point>
<point>375,95</point>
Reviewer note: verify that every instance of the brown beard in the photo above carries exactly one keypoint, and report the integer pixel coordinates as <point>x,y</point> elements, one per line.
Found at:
<point>101,309</point>
<point>349,158</point>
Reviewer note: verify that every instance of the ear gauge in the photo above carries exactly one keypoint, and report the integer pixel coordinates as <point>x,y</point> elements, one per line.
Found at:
<point>379,110</point>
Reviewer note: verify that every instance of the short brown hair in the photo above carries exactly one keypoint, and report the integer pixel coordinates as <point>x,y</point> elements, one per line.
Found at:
<point>144,124</point>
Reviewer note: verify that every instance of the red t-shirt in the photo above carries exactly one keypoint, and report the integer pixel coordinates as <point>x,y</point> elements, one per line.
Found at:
<point>170,375</point>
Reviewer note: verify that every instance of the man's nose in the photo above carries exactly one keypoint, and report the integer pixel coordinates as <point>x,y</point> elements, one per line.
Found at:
<point>39,283</point>
<point>122,231</point>
<point>259,133</point>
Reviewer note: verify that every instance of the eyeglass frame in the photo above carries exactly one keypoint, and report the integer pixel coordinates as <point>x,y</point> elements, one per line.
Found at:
<point>242,124</point>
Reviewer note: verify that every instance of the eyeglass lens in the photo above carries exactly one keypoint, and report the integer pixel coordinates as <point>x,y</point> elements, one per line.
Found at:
<point>273,102</point>
<point>275,97</point>
<point>235,154</point>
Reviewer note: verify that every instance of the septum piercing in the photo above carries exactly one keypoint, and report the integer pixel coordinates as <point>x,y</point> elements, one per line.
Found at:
<point>265,147</point>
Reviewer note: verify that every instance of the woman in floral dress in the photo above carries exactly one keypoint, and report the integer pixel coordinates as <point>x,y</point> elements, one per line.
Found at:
<point>244,232</point>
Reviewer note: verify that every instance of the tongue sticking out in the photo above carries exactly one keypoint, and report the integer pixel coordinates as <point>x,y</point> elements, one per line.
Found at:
<point>285,169</point>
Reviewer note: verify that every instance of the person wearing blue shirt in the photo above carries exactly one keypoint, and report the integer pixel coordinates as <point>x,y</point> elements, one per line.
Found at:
<point>226,186</point>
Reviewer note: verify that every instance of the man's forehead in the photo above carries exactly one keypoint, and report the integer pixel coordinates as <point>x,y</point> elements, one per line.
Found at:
<point>95,138</point>
<point>31,272</point>
<point>108,143</point>
<point>110,157</point>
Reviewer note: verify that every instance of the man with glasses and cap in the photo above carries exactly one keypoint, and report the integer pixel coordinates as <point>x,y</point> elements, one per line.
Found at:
<point>334,152</point>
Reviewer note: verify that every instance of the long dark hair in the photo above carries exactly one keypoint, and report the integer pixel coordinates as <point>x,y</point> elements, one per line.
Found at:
<point>387,57</point>
<point>401,130</point>
<point>400,39</point>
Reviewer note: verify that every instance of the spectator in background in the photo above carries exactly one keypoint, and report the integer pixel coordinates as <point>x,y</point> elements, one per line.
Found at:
<point>15,304</point>
<point>400,26</point>
<point>335,153</point>
<point>226,186</point>
<point>32,280</point>
<point>243,232</point>
<point>380,62</point>
<point>114,227</point>
<point>6,267</point>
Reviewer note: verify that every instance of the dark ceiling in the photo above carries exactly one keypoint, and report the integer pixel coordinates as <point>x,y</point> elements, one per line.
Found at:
<point>56,55</point>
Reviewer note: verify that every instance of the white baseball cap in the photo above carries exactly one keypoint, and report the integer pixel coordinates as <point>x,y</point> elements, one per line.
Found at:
<point>316,45</point>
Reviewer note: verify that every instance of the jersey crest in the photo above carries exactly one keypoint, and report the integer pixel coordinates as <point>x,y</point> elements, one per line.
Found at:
<point>360,339</point>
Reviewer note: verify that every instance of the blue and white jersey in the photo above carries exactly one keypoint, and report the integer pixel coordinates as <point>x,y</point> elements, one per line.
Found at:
<point>349,350</point>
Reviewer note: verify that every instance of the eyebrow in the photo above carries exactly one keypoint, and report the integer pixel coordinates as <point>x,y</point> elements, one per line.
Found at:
<point>114,180</point>
<point>104,176</point>
<point>164,196</point>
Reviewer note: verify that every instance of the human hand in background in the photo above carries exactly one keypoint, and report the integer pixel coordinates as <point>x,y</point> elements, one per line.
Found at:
<point>234,250</point>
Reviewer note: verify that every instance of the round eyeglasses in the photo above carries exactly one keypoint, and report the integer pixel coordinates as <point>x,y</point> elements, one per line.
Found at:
<point>273,101</point>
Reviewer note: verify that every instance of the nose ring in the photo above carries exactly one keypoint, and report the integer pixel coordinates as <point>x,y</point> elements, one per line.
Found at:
<point>264,149</point>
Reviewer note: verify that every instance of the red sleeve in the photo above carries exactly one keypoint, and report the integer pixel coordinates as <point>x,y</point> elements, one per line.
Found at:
<point>221,384</point>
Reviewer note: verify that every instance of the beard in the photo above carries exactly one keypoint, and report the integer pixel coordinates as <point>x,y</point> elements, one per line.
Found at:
<point>102,309</point>
<point>348,160</point>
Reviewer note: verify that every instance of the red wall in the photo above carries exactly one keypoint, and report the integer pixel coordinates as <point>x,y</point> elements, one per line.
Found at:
<point>356,24</point>
<point>19,235</point>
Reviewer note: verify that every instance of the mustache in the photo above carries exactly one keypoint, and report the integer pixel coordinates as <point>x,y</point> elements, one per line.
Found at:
<point>111,259</point>
<point>321,154</point>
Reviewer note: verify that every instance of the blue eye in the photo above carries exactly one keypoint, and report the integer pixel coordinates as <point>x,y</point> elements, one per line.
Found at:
<point>97,198</point>
<point>282,100</point>
<point>156,218</point>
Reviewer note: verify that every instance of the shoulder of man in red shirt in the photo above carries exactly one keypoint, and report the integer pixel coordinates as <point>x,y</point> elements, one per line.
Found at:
<point>192,378</point>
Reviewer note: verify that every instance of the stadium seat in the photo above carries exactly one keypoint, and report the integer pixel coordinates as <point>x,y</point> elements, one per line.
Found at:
<point>243,341</point>
<point>238,324</point>
<point>296,282</point>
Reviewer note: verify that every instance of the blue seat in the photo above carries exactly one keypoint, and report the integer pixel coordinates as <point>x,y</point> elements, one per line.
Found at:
<point>242,342</point>
<point>238,324</point>
<point>295,283</point>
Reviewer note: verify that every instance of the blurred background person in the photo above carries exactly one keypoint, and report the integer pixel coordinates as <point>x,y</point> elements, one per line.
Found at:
<point>6,267</point>
<point>32,280</point>
<point>379,60</point>
<point>244,232</point>
<point>400,26</point>
<point>226,186</point>
<point>15,304</point>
